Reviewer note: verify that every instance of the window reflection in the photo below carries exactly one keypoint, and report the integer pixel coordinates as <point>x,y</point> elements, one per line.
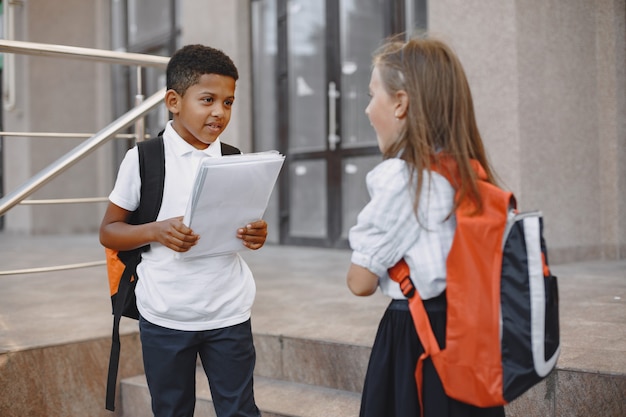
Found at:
<point>307,191</point>
<point>361,32</point>
<point>354,190</point>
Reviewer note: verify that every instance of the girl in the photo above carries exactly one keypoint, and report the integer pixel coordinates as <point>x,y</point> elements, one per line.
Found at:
<point>421,107</point>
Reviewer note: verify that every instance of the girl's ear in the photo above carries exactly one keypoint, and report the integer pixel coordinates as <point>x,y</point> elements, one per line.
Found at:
<point>172,100</point>
<point>402,104</point>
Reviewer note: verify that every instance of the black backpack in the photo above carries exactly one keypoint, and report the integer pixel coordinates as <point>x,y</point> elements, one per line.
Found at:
<point>122,265</point>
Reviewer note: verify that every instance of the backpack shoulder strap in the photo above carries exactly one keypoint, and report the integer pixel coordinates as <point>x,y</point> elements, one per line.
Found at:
<point>401,274</point>
<point>229,149</point>
<point>152,173</point>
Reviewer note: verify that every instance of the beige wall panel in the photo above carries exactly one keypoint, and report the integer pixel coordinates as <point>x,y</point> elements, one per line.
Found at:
<point>484,36</point>
<point>559,122</point>
<point>611,85</point>
<point>546,77</point>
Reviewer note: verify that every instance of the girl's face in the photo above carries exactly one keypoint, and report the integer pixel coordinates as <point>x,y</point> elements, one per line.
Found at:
<point>384,112</point>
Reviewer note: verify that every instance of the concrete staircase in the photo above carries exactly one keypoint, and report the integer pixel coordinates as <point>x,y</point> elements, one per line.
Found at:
<point>310,378</point>
<point>313,337</point>
<point>294,377</point>
<point>275,398</point>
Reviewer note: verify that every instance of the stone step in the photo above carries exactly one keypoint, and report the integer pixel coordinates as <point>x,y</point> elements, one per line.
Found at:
<point>55,331</point>
<point>309,361</point>
<point>301,377</point>
<point>275,398</point>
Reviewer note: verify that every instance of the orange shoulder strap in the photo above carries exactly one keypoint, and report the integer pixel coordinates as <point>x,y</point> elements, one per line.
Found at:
<point>401,274</point>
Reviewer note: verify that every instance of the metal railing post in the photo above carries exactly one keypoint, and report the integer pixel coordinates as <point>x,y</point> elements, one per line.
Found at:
<point>140,124</point>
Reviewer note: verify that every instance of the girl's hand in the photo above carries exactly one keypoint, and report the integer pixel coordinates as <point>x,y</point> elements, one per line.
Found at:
<point>254,234</point>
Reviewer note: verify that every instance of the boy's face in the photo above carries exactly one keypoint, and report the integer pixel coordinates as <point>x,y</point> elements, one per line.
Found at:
<point>203,112</point>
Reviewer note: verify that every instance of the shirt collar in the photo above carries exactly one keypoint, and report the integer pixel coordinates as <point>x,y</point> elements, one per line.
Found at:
<point>181,148</point>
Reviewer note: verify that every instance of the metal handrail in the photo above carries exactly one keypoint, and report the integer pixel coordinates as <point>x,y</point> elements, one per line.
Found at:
<point>64,201</point>
<point>79,152</point>
<point>55,135</point>
<point>52,268</point>
<point>88,54</point>
<point>111,131</point>
<point>61,135</point>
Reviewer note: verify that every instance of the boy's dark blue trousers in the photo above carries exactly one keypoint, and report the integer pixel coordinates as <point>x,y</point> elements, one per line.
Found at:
<point>228,358</point>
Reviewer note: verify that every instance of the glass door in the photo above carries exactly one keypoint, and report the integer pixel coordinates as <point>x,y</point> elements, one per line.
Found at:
<point>330,143</point>
<point>319,55</point>
<point>306,218</point>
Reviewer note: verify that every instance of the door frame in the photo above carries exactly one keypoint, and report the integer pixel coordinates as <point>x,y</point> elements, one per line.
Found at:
<point>397,15</point>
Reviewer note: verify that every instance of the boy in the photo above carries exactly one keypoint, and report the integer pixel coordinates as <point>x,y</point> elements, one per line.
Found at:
<point>198,306</point>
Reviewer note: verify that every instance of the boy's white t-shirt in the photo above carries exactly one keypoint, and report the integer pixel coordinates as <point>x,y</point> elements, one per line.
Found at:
<point>201,293</point>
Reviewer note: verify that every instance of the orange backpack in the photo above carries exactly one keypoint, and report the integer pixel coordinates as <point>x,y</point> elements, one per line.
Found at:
<point>502,329</point>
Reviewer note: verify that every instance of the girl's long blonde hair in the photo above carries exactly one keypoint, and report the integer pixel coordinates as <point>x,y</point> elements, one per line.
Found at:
<point>440,114</point>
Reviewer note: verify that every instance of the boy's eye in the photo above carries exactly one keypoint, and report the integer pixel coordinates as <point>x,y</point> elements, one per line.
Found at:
<point>228,103</point>
<point>208,99</point>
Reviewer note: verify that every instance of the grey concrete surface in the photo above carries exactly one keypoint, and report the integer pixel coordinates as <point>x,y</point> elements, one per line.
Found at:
<point>301,292</point>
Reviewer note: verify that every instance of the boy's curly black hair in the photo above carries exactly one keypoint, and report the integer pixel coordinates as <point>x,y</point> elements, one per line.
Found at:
<point>190,62</point>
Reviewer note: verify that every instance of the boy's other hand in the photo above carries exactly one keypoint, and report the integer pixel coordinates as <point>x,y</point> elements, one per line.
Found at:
<point>254,234</point>
<point>175,235</point>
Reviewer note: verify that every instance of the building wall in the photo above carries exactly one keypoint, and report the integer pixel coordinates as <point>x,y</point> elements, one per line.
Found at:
<point>549,86</point>
<point>547,76</point>
<point>58,95</point>
<point>611,84</point>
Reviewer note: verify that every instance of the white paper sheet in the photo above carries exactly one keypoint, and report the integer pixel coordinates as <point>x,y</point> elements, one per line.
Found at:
<point>228,193</point>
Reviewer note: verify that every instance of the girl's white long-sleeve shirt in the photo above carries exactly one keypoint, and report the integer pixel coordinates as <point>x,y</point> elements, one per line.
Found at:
<point>387,228</point>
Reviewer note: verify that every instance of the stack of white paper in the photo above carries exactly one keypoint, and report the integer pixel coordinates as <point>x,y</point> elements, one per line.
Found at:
<point>228,193</point>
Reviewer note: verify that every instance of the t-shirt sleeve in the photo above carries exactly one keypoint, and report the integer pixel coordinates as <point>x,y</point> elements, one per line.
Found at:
<point>127,189</point>
<point>386,227</point>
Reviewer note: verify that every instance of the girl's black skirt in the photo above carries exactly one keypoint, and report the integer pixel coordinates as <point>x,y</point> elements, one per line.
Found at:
<point>390,389</point>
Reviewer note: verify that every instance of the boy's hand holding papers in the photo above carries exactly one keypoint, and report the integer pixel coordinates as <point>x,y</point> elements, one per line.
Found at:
<point>229,193</point>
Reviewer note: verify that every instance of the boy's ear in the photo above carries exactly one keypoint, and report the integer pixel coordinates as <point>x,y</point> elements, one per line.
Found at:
<point>402,104</point>
<point>172,101</point>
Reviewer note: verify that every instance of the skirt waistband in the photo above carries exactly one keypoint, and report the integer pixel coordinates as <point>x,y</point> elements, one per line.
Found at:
<point>431,305</point>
